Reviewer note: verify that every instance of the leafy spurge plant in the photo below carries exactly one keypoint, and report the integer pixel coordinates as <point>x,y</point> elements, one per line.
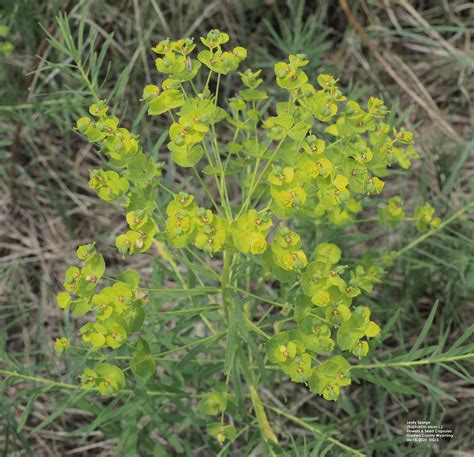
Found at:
<point>279,171</point>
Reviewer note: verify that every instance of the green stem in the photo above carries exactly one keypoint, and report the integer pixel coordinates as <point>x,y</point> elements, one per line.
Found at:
<point>207,339</point>
<point>225,279</point>
<point>222,182</point>
<point>194,88</point>
<point>193,343</point>
<point>183,91</point>
<point>204,264</point>
<point>264,300</point>
<point>64,385</point>
<point>230,153</point>
<point>217,89</point>
<point>87,81</point>
<point>314,430</point>
<point>167,189</point>
<point>256,329</point>
<point>443,224</point>
<point>162,249</point>
<point>254,184</point>
<point>49,382</point>
<point>281,305</point>
<point>257,165</point>
<point>429,361</point>
<point>203,290</point>
<point>207,82</point>
<point>206,189</point>
<point>180,312</point>
<point>211,163</point>
<point>172,116</point>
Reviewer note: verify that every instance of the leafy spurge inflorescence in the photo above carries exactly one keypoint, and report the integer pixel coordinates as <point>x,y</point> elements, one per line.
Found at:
<point>315,157</point>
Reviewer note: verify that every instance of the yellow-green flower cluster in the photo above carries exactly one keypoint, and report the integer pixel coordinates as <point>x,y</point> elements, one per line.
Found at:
<point>106,378</point>
<point>118,312</point>
<point>187,223</point>
<point>249,232</point>
<point>218,60</point>
<point>131,180</point>
<point>424,218</point>
<point>324,318</point>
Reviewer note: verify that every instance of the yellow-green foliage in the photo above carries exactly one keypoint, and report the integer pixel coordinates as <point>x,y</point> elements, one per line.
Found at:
<point>316,156</point>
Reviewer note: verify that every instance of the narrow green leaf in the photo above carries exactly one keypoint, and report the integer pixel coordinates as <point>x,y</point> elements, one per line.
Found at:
<point>425,330</point>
